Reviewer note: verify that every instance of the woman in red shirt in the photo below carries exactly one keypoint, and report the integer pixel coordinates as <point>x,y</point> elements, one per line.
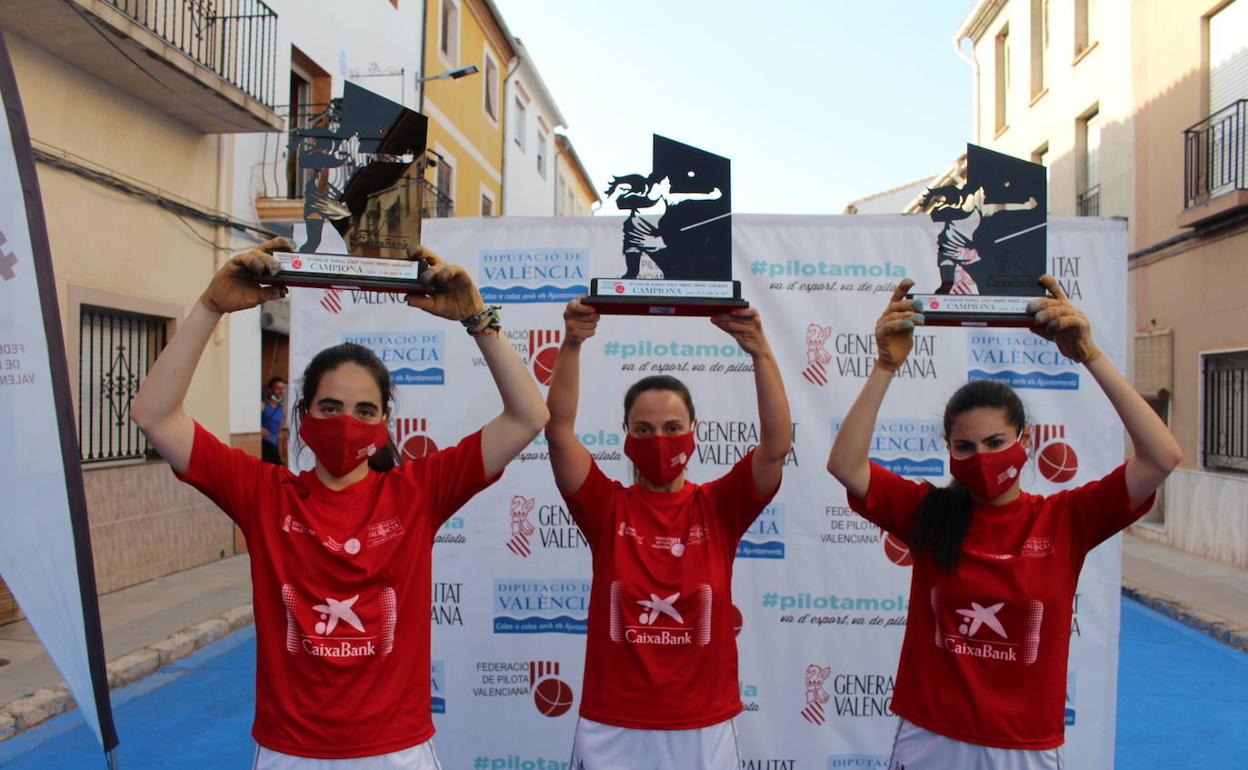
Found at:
<point>340,555</point>
<point>661,657</point>
<point>981,681</point>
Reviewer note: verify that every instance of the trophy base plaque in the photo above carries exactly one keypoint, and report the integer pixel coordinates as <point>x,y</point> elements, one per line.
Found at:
<point>339,271</point>
<point>974,310</point>
<point>611,296</point>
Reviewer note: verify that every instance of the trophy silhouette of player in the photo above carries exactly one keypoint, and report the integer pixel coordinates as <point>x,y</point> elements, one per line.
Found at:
<point>992,246</point>
<point>377,142</point>
<point>680,223</point>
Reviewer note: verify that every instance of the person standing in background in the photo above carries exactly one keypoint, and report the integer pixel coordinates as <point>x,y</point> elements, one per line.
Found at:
<point>272,419</point>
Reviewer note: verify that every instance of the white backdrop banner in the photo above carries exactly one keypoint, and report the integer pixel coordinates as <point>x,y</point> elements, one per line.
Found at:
<point>823,595</point>
<point>45,543</point>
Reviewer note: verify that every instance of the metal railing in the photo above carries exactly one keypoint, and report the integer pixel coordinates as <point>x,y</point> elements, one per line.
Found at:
<point>434,203</point>
<point>237,39</point>
<point>1225,410</point>
<point>1214,153</point>
<point>115,351</point>
<point>1088,204</point>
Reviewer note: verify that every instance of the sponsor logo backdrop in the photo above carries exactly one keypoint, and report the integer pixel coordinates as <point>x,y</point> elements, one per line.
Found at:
<point>511,593</point>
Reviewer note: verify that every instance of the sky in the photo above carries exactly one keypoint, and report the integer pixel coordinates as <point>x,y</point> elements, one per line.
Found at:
<point>816,102</point>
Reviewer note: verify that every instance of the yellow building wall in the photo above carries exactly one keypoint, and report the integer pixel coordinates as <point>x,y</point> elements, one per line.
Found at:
<point>456,108</point>
<point>108,246</point>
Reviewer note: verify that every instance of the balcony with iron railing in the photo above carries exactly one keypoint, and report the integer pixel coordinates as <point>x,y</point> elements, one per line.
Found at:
<point>1088,203</point>
<point>283,184</point>
<point>211,64</point>
<point>1215,166</point>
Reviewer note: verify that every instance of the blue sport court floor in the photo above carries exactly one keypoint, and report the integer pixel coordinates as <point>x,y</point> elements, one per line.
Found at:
<point>1182,702</point>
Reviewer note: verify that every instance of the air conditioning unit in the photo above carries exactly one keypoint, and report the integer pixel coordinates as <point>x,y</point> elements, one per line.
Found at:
<point>275,316</point>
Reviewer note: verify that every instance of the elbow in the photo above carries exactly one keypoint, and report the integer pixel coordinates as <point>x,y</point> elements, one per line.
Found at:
<point>840,466</point>
<point>1172,458</point>
<point>539,419</point>
<point>139,414</point>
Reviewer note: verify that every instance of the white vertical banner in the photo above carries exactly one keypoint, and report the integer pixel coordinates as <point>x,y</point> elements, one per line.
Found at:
<point>45,549</point>
<point>822,594</point>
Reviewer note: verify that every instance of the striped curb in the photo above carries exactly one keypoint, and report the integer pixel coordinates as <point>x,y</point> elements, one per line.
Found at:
<point>1210,625</point>
<point>41,705</point>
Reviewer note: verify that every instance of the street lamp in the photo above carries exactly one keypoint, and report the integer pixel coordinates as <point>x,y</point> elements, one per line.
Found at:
<point>455,74</point>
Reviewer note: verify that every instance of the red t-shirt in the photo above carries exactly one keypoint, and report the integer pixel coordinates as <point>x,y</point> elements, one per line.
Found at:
<point>341,590</point>
<point>984,655</point>
<point>661,652</point>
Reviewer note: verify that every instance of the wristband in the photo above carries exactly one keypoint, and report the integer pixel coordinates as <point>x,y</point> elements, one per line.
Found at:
<point>484,321</point>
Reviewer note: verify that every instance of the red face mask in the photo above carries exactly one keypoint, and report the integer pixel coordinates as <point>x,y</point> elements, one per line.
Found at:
<point>989,474</point>
<point>660,459</point>
<point>342,442</point>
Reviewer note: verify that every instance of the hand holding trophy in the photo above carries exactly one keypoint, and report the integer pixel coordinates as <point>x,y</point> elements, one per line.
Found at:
<point>362,165</point>
<point>894,331</point>
<point>237,285</point>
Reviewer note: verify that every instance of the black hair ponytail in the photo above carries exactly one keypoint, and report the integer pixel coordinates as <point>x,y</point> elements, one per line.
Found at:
<point>944,515</point>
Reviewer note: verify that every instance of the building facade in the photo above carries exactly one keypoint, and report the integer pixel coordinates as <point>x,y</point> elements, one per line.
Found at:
<point>1140,110</point>
<point>575,193</point>
<point>132,119</point>
<point>467,116</point>
<point>529,147</point>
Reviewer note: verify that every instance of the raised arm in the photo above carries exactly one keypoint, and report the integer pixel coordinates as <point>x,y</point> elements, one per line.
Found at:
<point>775,437</point>
<point>568,457</point>
<point>849,459</point>
<point>158,409</point>
<point>523,413</point>
<point>1156,451</point>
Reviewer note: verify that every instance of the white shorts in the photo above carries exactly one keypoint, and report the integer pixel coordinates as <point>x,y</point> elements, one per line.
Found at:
<point>418,757</point>
<point>917,749</point>
<point>606,747</point>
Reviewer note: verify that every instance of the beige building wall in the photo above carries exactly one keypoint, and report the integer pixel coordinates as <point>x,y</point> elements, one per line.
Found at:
<point>112,250</point>
<point>1076,83</point>
<point>1186,276</point>
<point>1144,69</point>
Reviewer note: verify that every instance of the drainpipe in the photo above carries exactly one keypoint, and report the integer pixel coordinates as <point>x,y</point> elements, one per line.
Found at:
<point>502,125</point>
<point>973,62</point>
<point>424,43</point>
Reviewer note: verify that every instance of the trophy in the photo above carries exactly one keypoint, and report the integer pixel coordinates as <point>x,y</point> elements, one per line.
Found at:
<point>992,248</point>
<point>372,143</point>
<point>677,238</point>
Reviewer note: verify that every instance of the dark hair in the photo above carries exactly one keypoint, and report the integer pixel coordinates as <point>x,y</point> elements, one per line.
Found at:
<point>637,196</point>
<point>657,382</point>
<point>330,359</point>
<point>273,380</point>
<point>944,515</point>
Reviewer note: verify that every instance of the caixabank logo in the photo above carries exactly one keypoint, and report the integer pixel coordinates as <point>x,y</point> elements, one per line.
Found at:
<point>412,357</point>
<point>554,606</point>
<point>906,446</point>
<point>538,680</point>
<point>541,524</point>
<point>765,537</point>
<point>1052,457</point>
<point>1020,359</point>
<point>852,695</point>
<point>533,275</point>
<point>853,355</point>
